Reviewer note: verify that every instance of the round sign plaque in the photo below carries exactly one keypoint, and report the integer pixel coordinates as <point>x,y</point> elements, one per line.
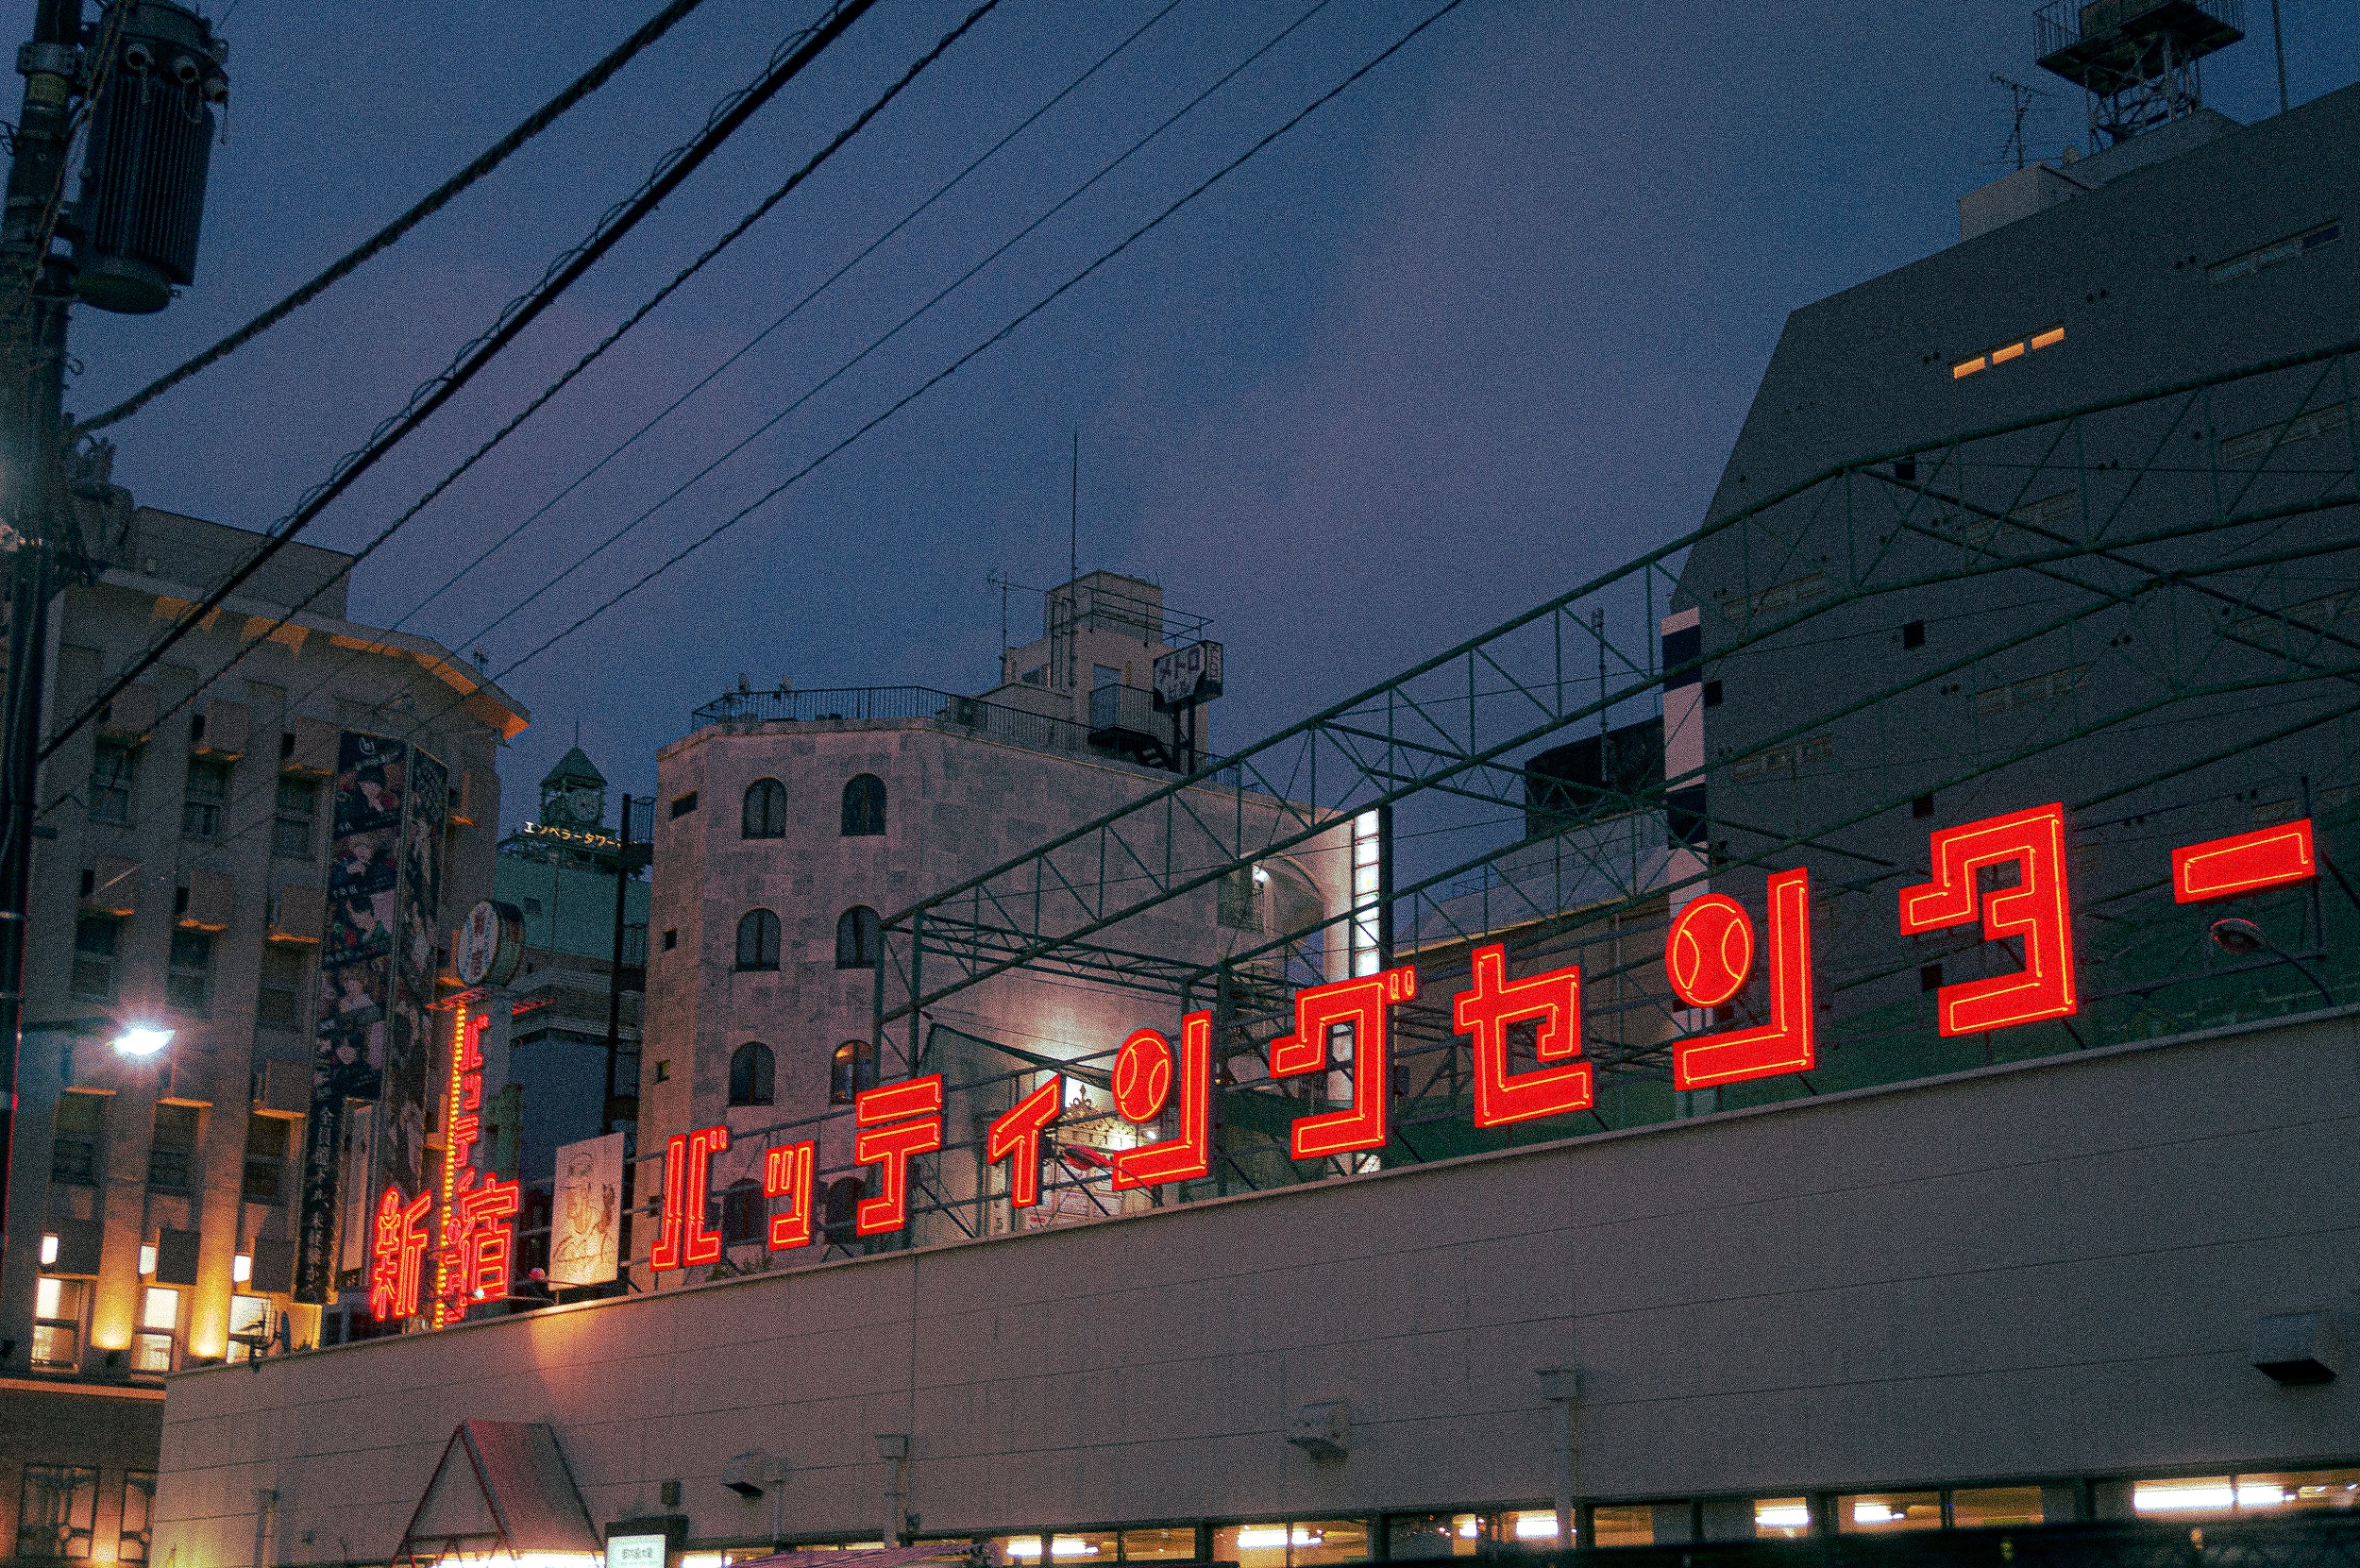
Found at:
<point>491,944</point>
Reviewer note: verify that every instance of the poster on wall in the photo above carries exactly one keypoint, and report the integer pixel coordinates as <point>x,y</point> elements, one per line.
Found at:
<point>586,1222</point>
<point>376,977</point>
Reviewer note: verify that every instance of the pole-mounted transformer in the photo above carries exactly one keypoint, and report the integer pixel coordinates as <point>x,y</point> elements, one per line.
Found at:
<point>151,136</point>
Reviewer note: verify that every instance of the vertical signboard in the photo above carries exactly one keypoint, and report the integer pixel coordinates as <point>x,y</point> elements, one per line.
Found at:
<point>587,1221</point>
<point>376,962</point>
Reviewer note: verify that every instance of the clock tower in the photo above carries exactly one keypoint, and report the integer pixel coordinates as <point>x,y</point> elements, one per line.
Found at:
<point>573,796</point>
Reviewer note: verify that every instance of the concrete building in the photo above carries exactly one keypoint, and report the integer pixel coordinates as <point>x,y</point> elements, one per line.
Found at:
<point>1940,1306</point>
<point>183,878</point>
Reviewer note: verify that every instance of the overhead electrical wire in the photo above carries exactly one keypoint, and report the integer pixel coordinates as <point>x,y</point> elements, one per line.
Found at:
<point>427,205</point>
<point>728,117</point>
<point>540,399</point>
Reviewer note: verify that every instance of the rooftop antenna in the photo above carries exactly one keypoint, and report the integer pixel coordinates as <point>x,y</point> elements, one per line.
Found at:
<point>1073,514</point>
<point>2021,97</point>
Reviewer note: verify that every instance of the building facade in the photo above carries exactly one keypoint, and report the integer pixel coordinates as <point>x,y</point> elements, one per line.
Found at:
<point>184,879</point>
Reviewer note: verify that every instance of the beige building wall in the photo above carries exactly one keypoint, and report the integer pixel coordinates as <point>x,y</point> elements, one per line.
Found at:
<point>2046,1272</point>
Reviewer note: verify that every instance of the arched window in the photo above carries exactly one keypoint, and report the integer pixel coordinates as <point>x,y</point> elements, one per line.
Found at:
<point>750,1068</point>
<point>758,940</point>
<point>744,1213</point>
<point>853,1069</point>
<point>766,809</point>
<point>864,807</point>
<point>843,1210</point>
<point>857,939</point>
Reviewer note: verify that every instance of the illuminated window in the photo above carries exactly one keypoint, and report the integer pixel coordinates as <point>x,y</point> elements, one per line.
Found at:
<point>94,940</point>
<point>249,1327</point>
<point>189,982</point>
<point>2203,1496</point>
<point>750,1075</point>
<point>863,806</point>
<point>1529,1526</point>
<point>172,1147</point>
<point>852,1070</point>
<point>160,1323</point>
<point>56,1510</point>
<point>58,1306</point>
<point>73,1155</point>
<point>1781,1518</point>
<point>285,981</point>
<point>2048,337</point>
<point>1877,1513</point>
<point>292,819</point>
<point>758,940</point>
<point>858,935</point>
<point>744,1213</point>
<point>1160,1545</point>
<point>201,803</point>
<point>110,769</point>
<point>764,814</point>
<point>136,1518</point>
<point>1411,1536</point>
<point>1623,1526</point>
<point>1291,1545</point>
<point>2270,254</point>
<point>1994,1506</point>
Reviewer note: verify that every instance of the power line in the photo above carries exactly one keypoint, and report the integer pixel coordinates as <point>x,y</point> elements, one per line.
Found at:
<point>440,197</point>
<point>736,232</point>
<point>728,117</point>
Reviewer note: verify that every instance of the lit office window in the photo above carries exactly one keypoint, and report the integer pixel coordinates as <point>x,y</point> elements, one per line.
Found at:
<point>1177,1545</point>
<point>1413,1536</point>
<point>137,1518</point>
<point>1880,1513</point>
<point>1781,1518</point>
<point>159,1324</point>
<point>1623,1526</point>
<point>57,1306</point>
<point>1995,1506</point>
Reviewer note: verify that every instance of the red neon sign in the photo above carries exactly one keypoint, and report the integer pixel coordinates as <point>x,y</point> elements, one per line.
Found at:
<point>787,1173</point>
<point>397,1254</point>
<point>1015,1136</point>
<point>1486,1009</point>
<point>897,1121</point>
<point>686,1243</point>
<point>477,1247</point>
<point>2244,863</point>
<point>1710,950</point>
<point>1785,1044</point>
<point>1146,1081</point>
<point>2034,909</point>
<point>1366,1004</point>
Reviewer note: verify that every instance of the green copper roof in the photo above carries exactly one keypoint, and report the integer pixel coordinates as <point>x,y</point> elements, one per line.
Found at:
<point>573,768</point>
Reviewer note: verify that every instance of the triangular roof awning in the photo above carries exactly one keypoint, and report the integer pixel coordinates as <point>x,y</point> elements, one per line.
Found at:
<point>501,1485</point>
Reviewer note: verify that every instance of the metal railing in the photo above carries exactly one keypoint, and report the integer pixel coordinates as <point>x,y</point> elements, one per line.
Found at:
<point>2062,24</point>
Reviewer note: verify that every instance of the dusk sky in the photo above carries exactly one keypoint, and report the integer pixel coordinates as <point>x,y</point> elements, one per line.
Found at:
<point>1485,325</point>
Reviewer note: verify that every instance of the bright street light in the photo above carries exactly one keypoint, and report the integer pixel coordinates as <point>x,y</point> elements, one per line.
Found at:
<point>142,1039</point>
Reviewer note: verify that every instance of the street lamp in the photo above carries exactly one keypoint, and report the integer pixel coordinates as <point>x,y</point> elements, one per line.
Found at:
<point>142,1039</point>
<point>2241,938</point>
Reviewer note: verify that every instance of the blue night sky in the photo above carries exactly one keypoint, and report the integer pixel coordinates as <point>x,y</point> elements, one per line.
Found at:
<point>1485,325</point>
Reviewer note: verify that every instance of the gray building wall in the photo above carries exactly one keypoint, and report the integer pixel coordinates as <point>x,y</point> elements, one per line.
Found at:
<point>2035,1271</point>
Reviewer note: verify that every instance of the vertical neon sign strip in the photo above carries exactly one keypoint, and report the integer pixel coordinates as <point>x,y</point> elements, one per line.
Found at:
<point>445,1214</point>
<point>1486,1010</point>
<point>1785,1044</point>
<point>1188,1153</point>
<point>2245,863</point>
<point>2035,909</point>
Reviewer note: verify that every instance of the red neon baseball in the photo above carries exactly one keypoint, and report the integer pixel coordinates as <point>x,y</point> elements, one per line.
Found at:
<point>2035,909</point>
<point>1143,1081</point>
<point>2244,863</point>
<point>1365,1003</point>
<point>1785,1044</point>
<point>1188,1153</point>
<point>898,1121</point>
<point>1015,1137</point>
<point>1709,951</point>
<point>787,1173</point>
<point>1486,1009</point>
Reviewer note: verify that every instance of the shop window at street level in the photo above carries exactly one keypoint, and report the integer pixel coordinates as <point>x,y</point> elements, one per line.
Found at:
<point>1412,1536</point>
<point>852,1071</point>
<point>279,1004</point>
<point>1293,1544</point>
<point>294,818</point>
<point>858,935</point>
<point>1995,1506</point>
<point>58,1308</point>
<point>110,770</point>
<point>1884,1513</point>
<point>74,1155</point>
<point>765,813</point>
<point>189,982</point>
<point>1623,1526</point>
<point>265,1158</point>
<point>202,802</point>
<point>2197,1497</point>
<point>752,1074</point>
<point>758,940</point>
<point>863,806</point>
<point>137,1518</point>
<point>172,1149</point>
<point>1781,1518</point>
<point>159,1324</point>
<point>57,1507</point>
<point>1530,1527</point>
<point>1176,1545</point>
<point>94,940</point>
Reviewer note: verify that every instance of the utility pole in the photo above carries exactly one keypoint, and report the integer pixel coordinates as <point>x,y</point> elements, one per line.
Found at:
<point>36,288</point>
